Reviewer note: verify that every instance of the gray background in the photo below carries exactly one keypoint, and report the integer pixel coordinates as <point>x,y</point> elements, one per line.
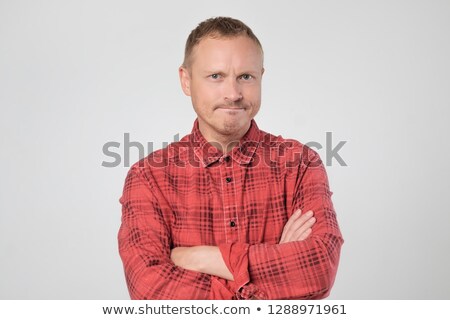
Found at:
<point>77,74</point>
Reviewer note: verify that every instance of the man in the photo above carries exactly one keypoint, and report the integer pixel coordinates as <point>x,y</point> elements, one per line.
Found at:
<point>229,211</point>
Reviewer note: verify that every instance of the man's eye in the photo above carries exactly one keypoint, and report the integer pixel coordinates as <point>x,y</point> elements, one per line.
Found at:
<point>247,77</point>
<point>215,76</point>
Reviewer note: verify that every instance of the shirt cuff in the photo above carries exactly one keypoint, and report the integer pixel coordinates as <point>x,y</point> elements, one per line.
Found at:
<point>235,256</point>
<point>220,289</point>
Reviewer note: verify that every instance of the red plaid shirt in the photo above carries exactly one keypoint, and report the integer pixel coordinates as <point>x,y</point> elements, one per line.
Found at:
<point>191,194</point>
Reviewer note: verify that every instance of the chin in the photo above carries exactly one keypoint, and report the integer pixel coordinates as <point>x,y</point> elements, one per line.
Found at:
<point>236,126</point>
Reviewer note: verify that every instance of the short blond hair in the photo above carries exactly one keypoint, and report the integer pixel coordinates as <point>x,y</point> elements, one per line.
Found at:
<point>218,27</point>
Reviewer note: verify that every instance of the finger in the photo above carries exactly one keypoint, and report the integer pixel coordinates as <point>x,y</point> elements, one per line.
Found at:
<point>288,224</point>
<point>305,234</point>
<point>287,230</point>
<point>296,224</point>
<point>297,235</point>
<point>294,217</point>
<point>291,234</point>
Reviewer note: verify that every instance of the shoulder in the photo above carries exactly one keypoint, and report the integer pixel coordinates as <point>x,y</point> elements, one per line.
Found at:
<point>176,154</point>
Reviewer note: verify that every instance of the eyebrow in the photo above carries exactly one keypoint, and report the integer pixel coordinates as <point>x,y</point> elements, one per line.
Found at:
<point>213,71</point>
<point>221,72</point>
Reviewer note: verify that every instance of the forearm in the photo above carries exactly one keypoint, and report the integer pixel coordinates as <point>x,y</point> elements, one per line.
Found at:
<point>299,270</point>
<point>205,259</point>
<point>294,270</point>
<point>164,282</point>
<point>150,274</point>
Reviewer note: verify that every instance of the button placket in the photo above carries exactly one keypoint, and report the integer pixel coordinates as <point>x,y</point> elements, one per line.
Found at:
<point>229,201</point>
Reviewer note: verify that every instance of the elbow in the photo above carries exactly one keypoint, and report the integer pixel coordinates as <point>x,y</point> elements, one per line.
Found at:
<point>323,264</point>
<point>323,289</point>
<point>144,283</point>
<point>314,277</point>
<point>136,289</point>
<point>142,288</point>
<point>328,266</point>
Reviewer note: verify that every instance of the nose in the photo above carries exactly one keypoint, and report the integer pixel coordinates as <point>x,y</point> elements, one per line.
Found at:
<point>233,91</point>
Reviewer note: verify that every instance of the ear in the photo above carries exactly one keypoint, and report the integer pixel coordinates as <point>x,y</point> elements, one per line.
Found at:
<point>262,71</point>
<point>185,80</point>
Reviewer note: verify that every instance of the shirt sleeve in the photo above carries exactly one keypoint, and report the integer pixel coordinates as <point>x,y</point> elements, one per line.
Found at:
<point>294,270</point>
<point>145,244</point>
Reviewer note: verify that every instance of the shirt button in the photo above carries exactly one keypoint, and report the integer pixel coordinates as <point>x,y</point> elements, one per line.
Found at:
<point>228,179</point>
<point>227,158</point>
<point>232,224</point>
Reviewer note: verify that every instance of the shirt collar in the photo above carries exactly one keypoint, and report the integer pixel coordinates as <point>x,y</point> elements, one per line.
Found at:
<point>242,153</point>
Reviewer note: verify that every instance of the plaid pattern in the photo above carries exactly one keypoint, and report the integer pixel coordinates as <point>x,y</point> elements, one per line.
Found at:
<point>191,194</point>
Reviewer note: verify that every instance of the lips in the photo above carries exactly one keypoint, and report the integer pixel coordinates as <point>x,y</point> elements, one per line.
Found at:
<point>230,108</point>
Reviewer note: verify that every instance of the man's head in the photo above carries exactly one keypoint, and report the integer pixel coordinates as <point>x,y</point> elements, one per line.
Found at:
<point>216,28</point>
<point>222,72</point>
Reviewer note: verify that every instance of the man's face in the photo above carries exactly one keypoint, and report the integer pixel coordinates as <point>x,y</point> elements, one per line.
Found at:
<point>224,83</point>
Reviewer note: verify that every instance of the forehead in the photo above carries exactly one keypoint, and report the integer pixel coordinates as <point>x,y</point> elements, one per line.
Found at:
<point>240,51</point>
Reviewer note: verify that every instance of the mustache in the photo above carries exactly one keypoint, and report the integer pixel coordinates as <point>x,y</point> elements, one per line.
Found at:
<point>235,104</point>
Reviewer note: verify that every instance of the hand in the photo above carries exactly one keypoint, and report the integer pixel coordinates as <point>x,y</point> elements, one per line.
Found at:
<point>298,227</point>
